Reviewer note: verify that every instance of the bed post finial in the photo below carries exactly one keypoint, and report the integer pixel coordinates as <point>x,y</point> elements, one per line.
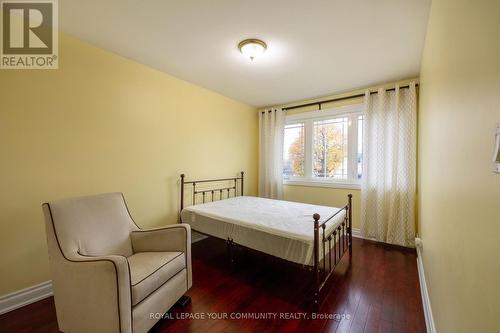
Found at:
<point>242,173</point>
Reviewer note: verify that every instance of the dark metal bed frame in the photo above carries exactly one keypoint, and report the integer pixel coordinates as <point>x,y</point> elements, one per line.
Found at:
<point>334,243</point>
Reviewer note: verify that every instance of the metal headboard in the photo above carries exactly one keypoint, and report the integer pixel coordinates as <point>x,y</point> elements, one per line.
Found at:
<point>230,189</point>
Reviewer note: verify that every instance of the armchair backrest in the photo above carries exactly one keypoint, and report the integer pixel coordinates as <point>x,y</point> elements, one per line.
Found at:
<point>92,225</point>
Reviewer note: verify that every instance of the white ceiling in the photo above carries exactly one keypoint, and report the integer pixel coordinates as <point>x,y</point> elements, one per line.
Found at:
<point>315,48</point>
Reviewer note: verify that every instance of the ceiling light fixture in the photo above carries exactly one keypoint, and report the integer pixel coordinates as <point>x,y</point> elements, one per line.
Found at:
<point>252,48</point>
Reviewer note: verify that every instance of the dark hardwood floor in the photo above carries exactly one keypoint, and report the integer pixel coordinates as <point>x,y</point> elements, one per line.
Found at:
<point>378,292</point>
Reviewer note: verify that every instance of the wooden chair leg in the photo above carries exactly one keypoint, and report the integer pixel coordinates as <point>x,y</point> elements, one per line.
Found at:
<point>183,301</point>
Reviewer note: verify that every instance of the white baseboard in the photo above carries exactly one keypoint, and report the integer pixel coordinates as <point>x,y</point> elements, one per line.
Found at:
<point>357,233</point>
<point>24,297</point>
<point>429,319</point>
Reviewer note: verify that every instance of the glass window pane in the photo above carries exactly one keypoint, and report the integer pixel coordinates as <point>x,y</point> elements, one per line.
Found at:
<point>293,152</point>
<point>360,147</point>
<point>330,148</point>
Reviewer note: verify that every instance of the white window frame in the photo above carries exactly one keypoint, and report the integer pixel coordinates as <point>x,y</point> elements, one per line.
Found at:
<point>308,118</point>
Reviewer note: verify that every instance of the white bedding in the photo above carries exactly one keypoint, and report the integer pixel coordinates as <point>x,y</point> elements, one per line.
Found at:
<point>280,228</point>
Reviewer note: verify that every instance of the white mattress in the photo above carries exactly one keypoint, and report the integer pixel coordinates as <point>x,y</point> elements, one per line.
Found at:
<point>280,228</point>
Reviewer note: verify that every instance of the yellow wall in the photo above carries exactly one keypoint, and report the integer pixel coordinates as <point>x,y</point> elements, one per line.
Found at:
<point>458,193</point>
<point>103,123</point>
<point>324,195</point>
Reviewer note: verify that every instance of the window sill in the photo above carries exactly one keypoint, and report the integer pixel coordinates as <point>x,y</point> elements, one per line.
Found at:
<point>312,183</point>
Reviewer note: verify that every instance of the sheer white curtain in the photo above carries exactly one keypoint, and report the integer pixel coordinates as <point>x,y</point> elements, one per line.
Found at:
<point>271,131</point>
<point>388,186</point>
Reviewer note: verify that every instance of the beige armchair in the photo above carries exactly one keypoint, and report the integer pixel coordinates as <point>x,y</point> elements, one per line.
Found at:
<point>108,275</point>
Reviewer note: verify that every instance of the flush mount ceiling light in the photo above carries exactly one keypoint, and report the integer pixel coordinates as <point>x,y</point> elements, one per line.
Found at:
<point>252,48</point>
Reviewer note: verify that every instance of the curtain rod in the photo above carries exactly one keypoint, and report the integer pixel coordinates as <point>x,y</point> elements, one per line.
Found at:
<point>340,99</point>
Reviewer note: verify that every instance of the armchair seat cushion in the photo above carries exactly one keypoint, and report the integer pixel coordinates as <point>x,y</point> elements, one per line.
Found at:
<point>150,270</point>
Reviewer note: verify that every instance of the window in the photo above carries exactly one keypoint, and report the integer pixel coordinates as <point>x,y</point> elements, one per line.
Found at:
<point>294,154</point>
<point>330,148</point>
<point>324,148</point>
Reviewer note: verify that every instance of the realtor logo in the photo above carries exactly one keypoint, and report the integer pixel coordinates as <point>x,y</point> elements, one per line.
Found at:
<point>29,34</point>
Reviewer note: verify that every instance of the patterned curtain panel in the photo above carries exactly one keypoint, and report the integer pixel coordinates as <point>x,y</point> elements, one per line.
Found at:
<point>388,187</point>
<point>271,131</point>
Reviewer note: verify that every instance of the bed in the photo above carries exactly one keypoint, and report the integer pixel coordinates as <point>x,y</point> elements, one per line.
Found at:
<point>315,237</point>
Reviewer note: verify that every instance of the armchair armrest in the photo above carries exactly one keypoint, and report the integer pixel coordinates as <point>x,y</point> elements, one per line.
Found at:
<point>93,287</point>
<point>176,237</point>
